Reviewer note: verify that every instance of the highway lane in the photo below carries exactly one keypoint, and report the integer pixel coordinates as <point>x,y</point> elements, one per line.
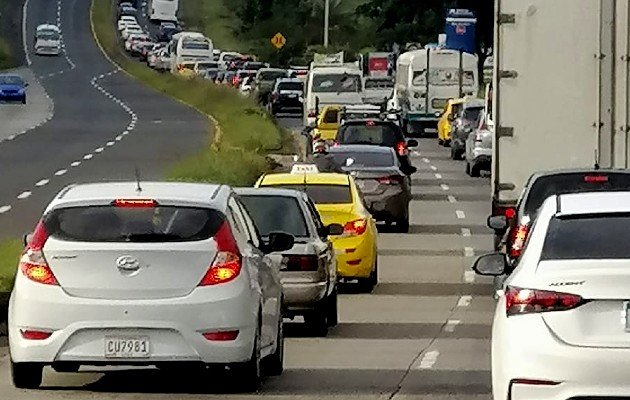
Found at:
<point>422,334</point>
<point>105,124</point>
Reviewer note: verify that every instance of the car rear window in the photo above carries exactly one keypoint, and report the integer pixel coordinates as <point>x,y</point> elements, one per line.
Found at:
<point>122,224</point>
<point>291,86</point>
<point>472,113</point>
<point>276,214</point>
<point>272,75</point>
<point>550,185</point>
<point>587,237</point>
<point>324,194</point>
<point>366,133</point>
<point>363,159</point>
<point>331,116</point>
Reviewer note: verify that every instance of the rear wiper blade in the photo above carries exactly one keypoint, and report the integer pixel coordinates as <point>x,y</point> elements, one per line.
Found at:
<point>152,237</point>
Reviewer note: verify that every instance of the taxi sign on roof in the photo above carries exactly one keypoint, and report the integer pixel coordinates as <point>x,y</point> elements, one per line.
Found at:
<point>304,169</point>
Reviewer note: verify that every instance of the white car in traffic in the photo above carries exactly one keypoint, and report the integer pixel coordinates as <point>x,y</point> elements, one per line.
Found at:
<point>48,40</point>
<point>162,274</point>
<point>127,20</point>
<point>562,324</point>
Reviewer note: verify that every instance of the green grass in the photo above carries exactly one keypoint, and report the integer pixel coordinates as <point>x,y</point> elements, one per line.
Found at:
<point>213,19</point>
<point>248,134</point>
<point>6,58</point>
<point>9,254</point>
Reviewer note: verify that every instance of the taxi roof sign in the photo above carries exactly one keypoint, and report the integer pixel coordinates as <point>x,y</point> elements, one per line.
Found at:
<point>304,169</point>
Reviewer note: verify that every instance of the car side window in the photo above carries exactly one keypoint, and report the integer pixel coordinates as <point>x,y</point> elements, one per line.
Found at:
<point>241,233</point>
<point>315,215</point>
<point>251,227</point>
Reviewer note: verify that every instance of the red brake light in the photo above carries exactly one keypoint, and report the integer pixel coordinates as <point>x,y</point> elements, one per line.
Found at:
<point>518,237</point>
<point>390,180</point>
<point>401,148</point>
<point>32,262</point>
<point>30,334</point>
<point>595,178</point>
<point>509,213</point>
<point>526,301</point>
<point>302,263</point>
<point>369,123</point>
<point>223,336</point>
<point>134,203</point>
<point>235,80</point>
<point>227,263</point>
<point>355,228</point>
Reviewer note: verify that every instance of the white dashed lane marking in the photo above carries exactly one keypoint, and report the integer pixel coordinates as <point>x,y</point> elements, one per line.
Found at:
<point>426,160</point>
<point>444,187</point>
<point>5,209</point>
<point>460,214</point>
<point>429,359</point>
<point>61,172</point>
<point>466,232</point>
<point>75,164</point>
<point>438,176</point>
<point>469,276</point>
<point>99,150</point>
<point>24,195</point>
<point>469,252</point>
<point>42,182</point>
<point>88,156</point>
<point>464,301</point>
<point>451,199</point>
<point>433,168</point>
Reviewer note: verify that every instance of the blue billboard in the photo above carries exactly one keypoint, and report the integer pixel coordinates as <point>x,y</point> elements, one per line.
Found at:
<point>460,30</point>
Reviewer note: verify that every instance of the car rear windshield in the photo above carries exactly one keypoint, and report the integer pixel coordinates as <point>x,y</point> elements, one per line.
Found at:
<point>550,185</point>
<point>472,114</point>
<point>121,224</point>
<point>363,159</point>
<point>276,214</point>
<point>272,75</point>
<point>587,237</point>
<point>291,86</point>
<point>365,133</point>
<point>324,194</point>
<point>336,83</point>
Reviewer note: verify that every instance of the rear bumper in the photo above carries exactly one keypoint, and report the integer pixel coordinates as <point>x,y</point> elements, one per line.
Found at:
<point>302,295</point>
<point>173,326</point>
<point>355,257</point>
<point>388,206</point>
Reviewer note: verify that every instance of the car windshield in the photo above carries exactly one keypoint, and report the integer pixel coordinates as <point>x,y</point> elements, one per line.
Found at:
<point>276,214</point>
<point>291,86</point>
<point>546,186</point>
<point>196,44</point>
<point>364,159</point>
<point>365,133</point>
<point>11,80</point>
<point>120,224</point>
<point>472,114</point>
<point>336,83</point>
<point>48,35</point>
<point>324,194</point>
<point>589,237</point>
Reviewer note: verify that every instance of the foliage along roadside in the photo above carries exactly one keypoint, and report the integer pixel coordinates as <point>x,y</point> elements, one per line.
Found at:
<point>248,133</point>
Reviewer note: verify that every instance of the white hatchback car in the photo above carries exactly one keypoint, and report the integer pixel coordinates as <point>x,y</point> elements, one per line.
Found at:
<point>562,324</point>
<point>171,273</point>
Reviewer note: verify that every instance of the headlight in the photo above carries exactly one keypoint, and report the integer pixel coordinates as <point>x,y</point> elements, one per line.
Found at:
<point>437,114</point>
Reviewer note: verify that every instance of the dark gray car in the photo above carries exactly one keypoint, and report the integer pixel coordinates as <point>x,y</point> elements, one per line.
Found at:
<point>464,124</point>
<point>377,172</point>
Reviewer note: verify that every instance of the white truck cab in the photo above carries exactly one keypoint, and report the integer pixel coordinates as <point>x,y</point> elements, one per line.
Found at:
<point>48,40</point>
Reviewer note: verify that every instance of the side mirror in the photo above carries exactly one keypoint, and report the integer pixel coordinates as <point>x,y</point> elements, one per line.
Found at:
<point>25,84</point>
<point>334,230</point>
<point>497,222</point>
<point>279,241</point>
<point>492,264</point>
<point>412,143</point>
<point>27,238</point>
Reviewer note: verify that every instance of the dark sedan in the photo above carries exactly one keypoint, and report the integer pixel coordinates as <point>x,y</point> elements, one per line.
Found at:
<point>378,174</point>
<point>287,96</point>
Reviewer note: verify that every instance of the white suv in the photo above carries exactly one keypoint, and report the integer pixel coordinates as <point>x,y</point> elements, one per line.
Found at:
<point>150,274</point>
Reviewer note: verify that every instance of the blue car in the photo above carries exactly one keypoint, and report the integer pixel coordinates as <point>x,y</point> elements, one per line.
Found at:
<point>12,88</point>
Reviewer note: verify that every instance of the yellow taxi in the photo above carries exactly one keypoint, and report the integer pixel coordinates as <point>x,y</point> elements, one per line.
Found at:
<point>445,124</point>
<point>327,123</point>
<point>338,201</point>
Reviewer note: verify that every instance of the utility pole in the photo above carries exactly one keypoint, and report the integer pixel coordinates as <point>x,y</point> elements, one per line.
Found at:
<point>326,17</point>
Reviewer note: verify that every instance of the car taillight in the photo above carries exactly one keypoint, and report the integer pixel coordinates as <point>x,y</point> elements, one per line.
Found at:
<point>302,263</point>
<point>32,262</point>
<point>520,301</point>
<point>517,239</point>
<point>509,212</point>
<point>355,228</point>
<point>235,81</point>
<point>31,334</point>
<point>401,149</point>
<point>221,336</point>
<point>227,263</point>
<point>390,180</point>
<point>312,114</point>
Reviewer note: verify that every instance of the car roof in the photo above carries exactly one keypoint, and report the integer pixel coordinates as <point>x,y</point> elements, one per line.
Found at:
<point>593,203</point>
<point>322,178</point>
<point>361,148</point>
<point>199,194</point>
<point>269,191</point>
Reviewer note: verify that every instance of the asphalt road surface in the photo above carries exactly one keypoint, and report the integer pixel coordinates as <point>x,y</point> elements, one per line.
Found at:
<point>104,124</point>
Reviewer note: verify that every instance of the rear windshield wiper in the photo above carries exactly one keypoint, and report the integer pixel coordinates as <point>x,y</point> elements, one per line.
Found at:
<point>152,237</point>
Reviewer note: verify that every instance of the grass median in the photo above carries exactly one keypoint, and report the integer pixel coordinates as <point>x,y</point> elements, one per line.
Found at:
<point>247,134</point>
<point>9,254</point>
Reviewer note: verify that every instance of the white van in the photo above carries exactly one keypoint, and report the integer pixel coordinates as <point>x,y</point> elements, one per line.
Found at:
<point>422,100</point>
<point>331,85</point>
<point>189,46</point>
<point>163,10</point>
<point>48,40</point>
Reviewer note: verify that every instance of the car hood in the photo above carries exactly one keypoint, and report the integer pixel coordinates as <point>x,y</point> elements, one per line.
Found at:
<point>11,87</point>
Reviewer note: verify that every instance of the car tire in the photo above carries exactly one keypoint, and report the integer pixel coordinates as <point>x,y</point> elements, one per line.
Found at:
<point>402,225</point>
<point>273,364</point>
<point>317,319</point>
<point>332,309</point>
<point>26,375</point>
<point>24,100</point>
<point>248,374</point>
<point>468,168</point>
<point>367,285</point>
<point>475,171</point>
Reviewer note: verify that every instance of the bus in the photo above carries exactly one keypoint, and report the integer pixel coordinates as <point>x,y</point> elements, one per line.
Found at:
<point>189,47</point>
<point>163,10</point>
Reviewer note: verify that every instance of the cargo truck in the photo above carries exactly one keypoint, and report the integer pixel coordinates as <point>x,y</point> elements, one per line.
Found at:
<point>561,90</point>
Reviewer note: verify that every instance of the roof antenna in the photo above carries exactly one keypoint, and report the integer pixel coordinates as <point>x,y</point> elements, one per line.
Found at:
<point>596,160</point>
<point>138,187</point>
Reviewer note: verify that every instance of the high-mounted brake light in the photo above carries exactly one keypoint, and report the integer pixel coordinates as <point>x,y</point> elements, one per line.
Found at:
<point>134,203</point>
<point>226,266</point>
<point>32,262</point>
<point>520,301</point>
<point>595,178</point>
<point>355,228</point>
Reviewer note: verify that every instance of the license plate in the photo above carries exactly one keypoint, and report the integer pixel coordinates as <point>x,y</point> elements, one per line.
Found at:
<point>127,346</point>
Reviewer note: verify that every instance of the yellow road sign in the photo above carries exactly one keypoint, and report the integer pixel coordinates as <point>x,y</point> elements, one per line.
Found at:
<point>278,40</point>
